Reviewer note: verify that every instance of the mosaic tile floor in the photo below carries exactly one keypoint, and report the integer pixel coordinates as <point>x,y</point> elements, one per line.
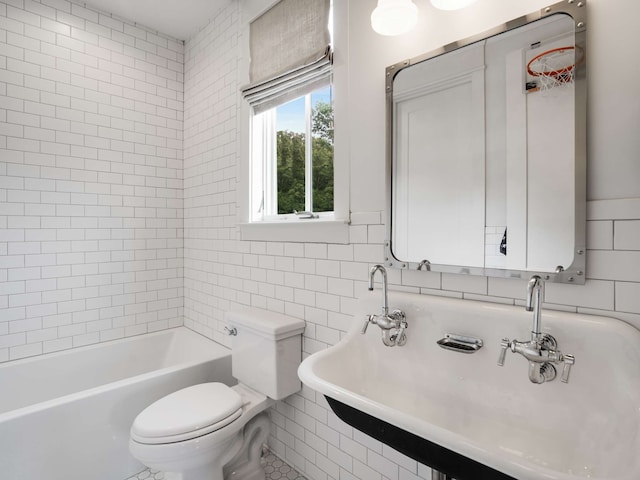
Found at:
<point>274,468</point>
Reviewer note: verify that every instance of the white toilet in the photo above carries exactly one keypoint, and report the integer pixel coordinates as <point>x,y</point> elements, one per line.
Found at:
<point>211,431</point>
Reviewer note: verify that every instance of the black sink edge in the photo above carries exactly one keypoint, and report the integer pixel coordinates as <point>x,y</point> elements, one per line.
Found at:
<point>428,453</point>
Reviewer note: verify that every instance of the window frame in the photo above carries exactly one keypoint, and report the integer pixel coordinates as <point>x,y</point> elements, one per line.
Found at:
<point>264,165</point>
<point>328,227</point>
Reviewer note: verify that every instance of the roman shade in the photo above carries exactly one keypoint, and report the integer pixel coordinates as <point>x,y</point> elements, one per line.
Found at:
<point>290,52</point>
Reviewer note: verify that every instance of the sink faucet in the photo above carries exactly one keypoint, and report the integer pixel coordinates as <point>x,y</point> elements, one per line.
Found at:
<point>541,351</point>
<point>392,324</point>
<point>535,293</point>
<point>372,274</point>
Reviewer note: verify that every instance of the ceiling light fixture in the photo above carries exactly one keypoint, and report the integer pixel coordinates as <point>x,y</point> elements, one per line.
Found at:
<point>451,4</point>
<point>394,17</point>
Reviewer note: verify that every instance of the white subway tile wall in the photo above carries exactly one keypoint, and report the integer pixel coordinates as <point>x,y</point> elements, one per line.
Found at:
<point>91,207</point>
<point>91,217</point>
<point>492,240</point>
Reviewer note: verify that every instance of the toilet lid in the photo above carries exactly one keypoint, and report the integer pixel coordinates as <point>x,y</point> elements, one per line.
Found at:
<point>191,410</point>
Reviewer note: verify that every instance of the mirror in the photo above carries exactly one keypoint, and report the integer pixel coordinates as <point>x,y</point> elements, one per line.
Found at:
<point>486,162</point>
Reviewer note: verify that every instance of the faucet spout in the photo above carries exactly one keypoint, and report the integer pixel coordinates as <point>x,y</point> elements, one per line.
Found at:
<point>535,294</point>
<point>541,351</point>
<point>393,324</point>
<point>383,271</point>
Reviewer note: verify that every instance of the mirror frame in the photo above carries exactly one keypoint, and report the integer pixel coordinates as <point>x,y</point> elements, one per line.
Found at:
<point>575,273</point>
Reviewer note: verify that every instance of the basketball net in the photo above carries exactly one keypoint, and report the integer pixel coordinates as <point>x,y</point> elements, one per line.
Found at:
<point>553,68</point>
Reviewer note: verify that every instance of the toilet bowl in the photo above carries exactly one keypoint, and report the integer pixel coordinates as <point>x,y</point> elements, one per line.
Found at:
<point>212,431</point>
<point>193,433</point>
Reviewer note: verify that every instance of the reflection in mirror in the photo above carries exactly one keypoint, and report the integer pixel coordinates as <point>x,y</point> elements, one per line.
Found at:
<point>487,157</point>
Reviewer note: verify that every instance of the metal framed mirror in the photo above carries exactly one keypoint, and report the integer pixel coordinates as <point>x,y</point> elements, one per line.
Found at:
<point>486,152</point>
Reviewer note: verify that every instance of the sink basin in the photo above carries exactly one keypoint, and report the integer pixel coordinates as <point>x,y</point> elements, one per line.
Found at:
<point>467,406</point>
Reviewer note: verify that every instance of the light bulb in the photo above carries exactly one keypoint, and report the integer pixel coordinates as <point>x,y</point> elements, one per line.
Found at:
<point>451,4</point>
<point>394,17</point>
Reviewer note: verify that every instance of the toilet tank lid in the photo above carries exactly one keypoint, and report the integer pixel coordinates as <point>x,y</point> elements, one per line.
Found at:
<point>270,324</point>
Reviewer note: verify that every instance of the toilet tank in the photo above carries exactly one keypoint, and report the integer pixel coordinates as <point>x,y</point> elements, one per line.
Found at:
<point>266,350</point>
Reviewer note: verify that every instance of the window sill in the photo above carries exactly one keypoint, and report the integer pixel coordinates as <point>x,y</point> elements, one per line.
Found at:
<point>308,231</point>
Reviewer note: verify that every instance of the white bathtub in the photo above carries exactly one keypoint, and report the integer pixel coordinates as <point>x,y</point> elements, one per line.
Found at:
<point>66,416</point>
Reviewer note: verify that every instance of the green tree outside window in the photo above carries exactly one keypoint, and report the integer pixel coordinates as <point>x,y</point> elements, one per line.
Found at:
<point>291,164</point>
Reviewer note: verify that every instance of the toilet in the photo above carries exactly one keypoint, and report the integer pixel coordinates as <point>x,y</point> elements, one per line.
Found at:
<point>211,431</point>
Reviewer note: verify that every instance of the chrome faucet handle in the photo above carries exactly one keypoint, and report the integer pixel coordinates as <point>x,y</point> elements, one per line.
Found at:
<point>566,370</point>
<point>370,319</point>
<point>504,345</point>
<point>231,331</point>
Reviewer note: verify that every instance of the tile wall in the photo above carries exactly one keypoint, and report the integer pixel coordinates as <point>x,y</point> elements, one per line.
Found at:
<point>492,239</point>
<point>210,164</point>
<point>90,178</point>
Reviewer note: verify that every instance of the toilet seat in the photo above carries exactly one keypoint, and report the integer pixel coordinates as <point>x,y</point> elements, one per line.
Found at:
<point>188,413</point>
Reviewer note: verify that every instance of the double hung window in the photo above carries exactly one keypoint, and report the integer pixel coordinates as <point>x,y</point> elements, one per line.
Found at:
<point>291,151</point>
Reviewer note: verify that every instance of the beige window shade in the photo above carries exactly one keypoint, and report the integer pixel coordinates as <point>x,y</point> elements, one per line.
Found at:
<point>290,52</point>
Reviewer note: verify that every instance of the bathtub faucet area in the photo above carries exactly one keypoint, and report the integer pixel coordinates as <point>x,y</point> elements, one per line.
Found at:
<point>394,324</point>
<point>541,350</point>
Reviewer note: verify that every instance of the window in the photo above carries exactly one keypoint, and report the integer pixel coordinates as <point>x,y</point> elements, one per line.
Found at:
<point>293,157</point>
<point>291,141</point>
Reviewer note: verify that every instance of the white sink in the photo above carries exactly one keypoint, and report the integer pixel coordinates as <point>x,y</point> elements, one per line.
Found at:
<point>466,403</point>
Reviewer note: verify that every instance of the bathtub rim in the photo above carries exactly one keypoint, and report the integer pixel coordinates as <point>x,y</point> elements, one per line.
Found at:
<point>37,407</point>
